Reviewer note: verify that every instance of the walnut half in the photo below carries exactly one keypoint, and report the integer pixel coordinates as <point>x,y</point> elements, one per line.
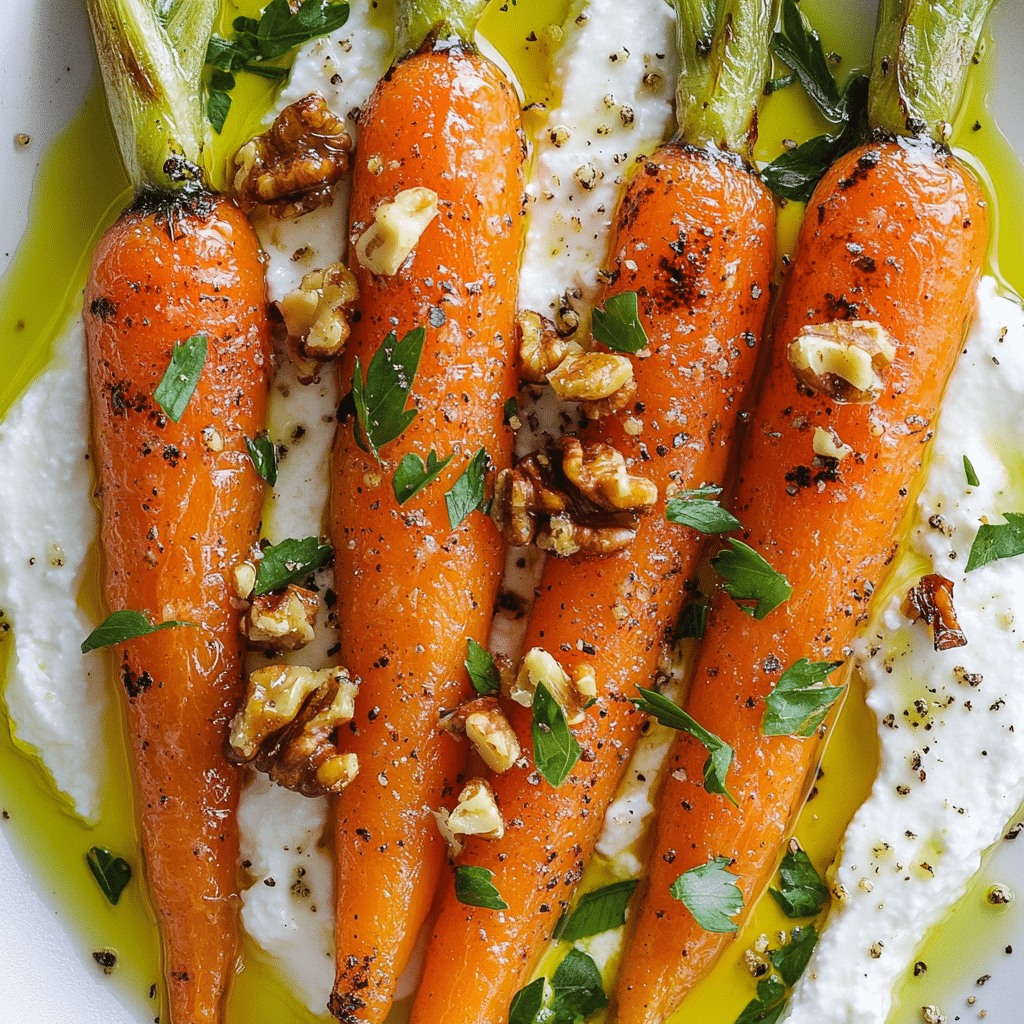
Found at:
<point>291,167</point>
<point>281,621</point>
<point>287,728</point>
<point>476,814</point>
<point>487,728</point>
<point>844,359</point>
<point>571,497</point>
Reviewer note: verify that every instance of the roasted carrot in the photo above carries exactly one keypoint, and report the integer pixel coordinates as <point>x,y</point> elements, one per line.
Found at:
<point>694,238</point>
<point>413,582</point>
<point>180,501</point>
<point>894,238</point>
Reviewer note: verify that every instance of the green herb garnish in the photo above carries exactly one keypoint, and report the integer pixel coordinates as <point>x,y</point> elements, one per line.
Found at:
<point>618,325</point>
<point>256,41</point>
<point>997,540</point>
<point>799,46</point>
<point>112,873</point>
<point>412,476</point>
<point>972,477</point>
<point>801,891</point>
<point>710,893</point>
<point>380,399</point>
<point>798,705</point>
<point>769,1005</point>
<point>555,750</point>
<point>263,453</point>
<point>699,510</point>
<point>692,622</point>
<point>467,493</point>
<point>527,1003</point>
<point>473,886</point>
<point>118,627</point>
<point>290,561</point>
<point>576,988</point>
<point>483,673</point>
<point>791,959</point>
<point>720,754</point>
<point>597,911</point>
<point>749,580</point>
<point>179,381</point>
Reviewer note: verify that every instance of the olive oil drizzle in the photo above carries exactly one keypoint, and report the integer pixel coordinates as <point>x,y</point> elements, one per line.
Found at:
<point>41,292</point>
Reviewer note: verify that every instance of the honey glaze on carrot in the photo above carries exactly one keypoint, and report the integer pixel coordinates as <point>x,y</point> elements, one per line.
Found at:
<point>50,842</point>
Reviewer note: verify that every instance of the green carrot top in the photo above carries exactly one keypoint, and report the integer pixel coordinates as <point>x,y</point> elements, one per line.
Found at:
<point>923,51</point>
<point>151,69</point>
<point>416,19</point>
<point>724,62</point>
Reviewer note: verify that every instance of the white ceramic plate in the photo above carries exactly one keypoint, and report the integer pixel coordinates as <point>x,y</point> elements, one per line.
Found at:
<point>46,974</point>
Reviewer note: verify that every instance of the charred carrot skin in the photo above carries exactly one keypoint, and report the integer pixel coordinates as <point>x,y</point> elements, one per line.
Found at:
<point>411,588</point>
<point>703,289</point>
<point>895,233</point>
<point>178,512</point>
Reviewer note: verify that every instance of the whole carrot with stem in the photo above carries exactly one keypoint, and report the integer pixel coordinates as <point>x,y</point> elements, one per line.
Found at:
<point>180,498</point>
<point>882,283</point>
<point>694,239</point>
<point>418,570</point>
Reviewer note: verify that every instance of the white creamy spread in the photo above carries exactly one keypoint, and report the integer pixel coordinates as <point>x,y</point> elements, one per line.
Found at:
<point>951,722</point>
<point>614,73</point>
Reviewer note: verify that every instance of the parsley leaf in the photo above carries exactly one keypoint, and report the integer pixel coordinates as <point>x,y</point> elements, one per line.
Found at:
<point>412,476</point>
<point>795,173</point>
<point>972,477</point>
<point>699,510</point>
<point>467,493</point>
<point>118,627</point>
<point>618,325</point>
<point>483,673</point>
<point>180,378</point>
<point>289,561</point>
<point>797,705</point>
<point>527,1003</point>
<point>997,540</point>
<point>669,713</point>
<point>555,750</point>
<point>749,580</point>
<point>692,622</point>
<point>792,958</point>
<point>577,989</point>
<point>799,46</point>
<point>257,41</point>
<point>112,873</point>
<point>263,453</point>
<point>473,887</point>
<point>710,893</point>
<point>767,1008</point>
<point>597,911</point>
<point>380,400</point>
<point>802,892</point>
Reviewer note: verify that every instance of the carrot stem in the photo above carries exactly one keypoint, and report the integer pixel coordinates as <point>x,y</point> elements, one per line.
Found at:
<point>724,60</point>
<point>923,51</point>
<point>416,19</point>
<point>152,77</point>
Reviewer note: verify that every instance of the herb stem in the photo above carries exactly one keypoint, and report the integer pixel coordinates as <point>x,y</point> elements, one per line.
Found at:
<point>923,51</point>
<point>724,63</point>
<point>415,20</point>
<point>152,77</point>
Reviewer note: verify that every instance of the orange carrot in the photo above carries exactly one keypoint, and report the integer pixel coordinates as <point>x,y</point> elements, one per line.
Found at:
<point>413,582</point>
<point>694,238</point>
<point>181,504</point>
<point>895,236</point>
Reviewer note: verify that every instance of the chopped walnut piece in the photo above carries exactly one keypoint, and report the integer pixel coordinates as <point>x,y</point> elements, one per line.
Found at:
<point>476,814</point>
<point>541,347</point>
<point>571,497</point>
<point>487,728</point>
<point>281,621</point>
<point>245,579</point>
<point>397,225</point>
<point>573,694</point>
<point>827,443</point>
<point>285,728</point>
<point>591,376</point>
<point>932,600</point>
<point>843,359</point>
<point>316,314</point>
<point>291,167</point>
